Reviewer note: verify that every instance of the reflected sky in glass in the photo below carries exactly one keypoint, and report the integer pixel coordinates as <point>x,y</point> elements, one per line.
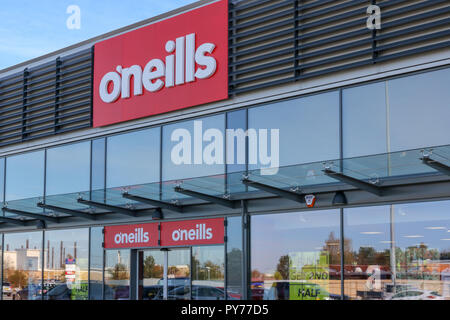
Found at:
<point>133,158</point>
<point>68,168</point>
<point>25,176</point>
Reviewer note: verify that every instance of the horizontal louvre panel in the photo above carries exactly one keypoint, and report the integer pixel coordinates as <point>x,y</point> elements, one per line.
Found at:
<point>282,41</point>
<point>48,99</point>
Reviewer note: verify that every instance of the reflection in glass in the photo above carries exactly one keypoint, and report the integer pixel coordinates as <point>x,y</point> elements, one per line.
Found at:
<point>178,274</point>
<point>151,275</point>
<point>234,257</point>
<point>300,260</point>
<point>98,163</point>
<point>208,273</point>
<point>308,128</point>
<point>2,179</point>
<point>419,101</point>
<point>133,158</point>
<point>27,167</point>
<point>364,120</point>
<point>186,133</point>
<point>398,252</point>
<point>96,264</point>
<point>22,266</point>
<point>68,168</point>
<point>66,259</point>
<point>117,275</point>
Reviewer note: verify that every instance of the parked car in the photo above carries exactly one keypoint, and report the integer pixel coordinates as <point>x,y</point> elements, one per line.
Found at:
<point>198,293</point>
<point>417,294</point>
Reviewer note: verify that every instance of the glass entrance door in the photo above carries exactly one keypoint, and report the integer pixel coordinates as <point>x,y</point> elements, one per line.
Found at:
<point>164,274</point>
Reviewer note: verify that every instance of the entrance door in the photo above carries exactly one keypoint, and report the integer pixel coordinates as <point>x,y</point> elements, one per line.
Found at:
<point>164,274</point>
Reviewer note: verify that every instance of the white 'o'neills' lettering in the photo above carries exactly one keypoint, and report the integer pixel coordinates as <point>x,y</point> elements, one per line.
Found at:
<point>177,69</point>
<point>138,236</point>
<point>199,233</point>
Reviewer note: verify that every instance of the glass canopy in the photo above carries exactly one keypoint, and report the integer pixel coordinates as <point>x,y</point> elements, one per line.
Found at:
<point>369,173</point>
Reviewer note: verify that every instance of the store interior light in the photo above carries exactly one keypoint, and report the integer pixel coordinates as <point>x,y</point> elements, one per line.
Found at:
<point>371,232</point>
<point>339,199</point>
<point>413,236</point>
<point>435,228</point>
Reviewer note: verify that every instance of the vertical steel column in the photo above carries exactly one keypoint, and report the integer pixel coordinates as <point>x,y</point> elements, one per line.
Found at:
<point>3,245</point>
<point>89,260</point>
<point>42,264</point>
<point>246,278</point>
<point>225,260</point>
<point>342,252</point>
<point>393,257</point>
<point>166,271</point>
<point>133,274</point>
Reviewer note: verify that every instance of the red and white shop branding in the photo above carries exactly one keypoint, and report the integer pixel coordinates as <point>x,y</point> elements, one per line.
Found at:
<point>131,236</point>
<point>175,233</point>
<point>172,64</point>
<point>192,232</point>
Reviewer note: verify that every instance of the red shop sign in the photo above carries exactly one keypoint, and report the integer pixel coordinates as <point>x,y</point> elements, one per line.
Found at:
<point>169,65</point>
<point>131,236</point>
<point>193,232</point>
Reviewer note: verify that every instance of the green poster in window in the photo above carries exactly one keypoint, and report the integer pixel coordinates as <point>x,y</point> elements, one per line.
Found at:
<point>80,291</point>
<point>309,275</point>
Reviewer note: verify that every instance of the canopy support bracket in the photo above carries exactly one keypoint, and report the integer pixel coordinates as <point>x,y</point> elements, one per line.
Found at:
<point>354,182</point>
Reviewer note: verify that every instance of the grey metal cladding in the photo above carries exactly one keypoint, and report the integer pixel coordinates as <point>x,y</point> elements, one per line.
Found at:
<point>271,42</point>
<point>48,99</point>
<point>281,41</point>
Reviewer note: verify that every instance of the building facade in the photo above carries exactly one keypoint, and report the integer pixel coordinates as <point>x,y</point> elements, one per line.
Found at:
<point>261,150</point>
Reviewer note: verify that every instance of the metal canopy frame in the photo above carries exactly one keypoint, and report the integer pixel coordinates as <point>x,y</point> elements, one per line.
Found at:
<point>156,203</point>
<point>115,209</point>
<point>436,165</point>
<point>32,215</point>
<point>232,204</point>
<point>75,213</point>
<point>13,221</point>
<point>297,197</point>
<point>354,182</point>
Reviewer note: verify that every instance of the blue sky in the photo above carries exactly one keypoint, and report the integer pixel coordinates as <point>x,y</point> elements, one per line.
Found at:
<point>31,28</point>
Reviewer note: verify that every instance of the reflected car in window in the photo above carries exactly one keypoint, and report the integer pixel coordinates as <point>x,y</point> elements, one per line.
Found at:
<point>417,295</point>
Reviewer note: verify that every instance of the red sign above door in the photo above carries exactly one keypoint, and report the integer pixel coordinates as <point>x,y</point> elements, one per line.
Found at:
<point>192,232</point>
<point>174,233</point>
<point>169,65</point>
<point>131,236</point>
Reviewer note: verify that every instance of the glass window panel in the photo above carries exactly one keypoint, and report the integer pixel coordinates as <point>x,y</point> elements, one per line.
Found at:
<point>364,120</point>
<point>419,110</point>
<point>66,261</point>
<point>398,252</point>
<point>234,257</point>
<point>133,158</point>
<point>68,168</point>
<point>174,171</point>
<point>367,249</point>
<point>2,179</point>
<point>98,164</point>
<point>208,274</point>
<point>151,275</point>
<point>22,266</point>
<point>308,128</point>
<point>96,264</point>
<point>27,167</point>
<point>304,261</point>
<point>117,274</point>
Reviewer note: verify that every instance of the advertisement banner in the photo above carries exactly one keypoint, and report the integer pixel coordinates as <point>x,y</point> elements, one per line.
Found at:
<point>131,236</point>
<point>193,232</point>
<point>169,65</point>
<point>309,275</point>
